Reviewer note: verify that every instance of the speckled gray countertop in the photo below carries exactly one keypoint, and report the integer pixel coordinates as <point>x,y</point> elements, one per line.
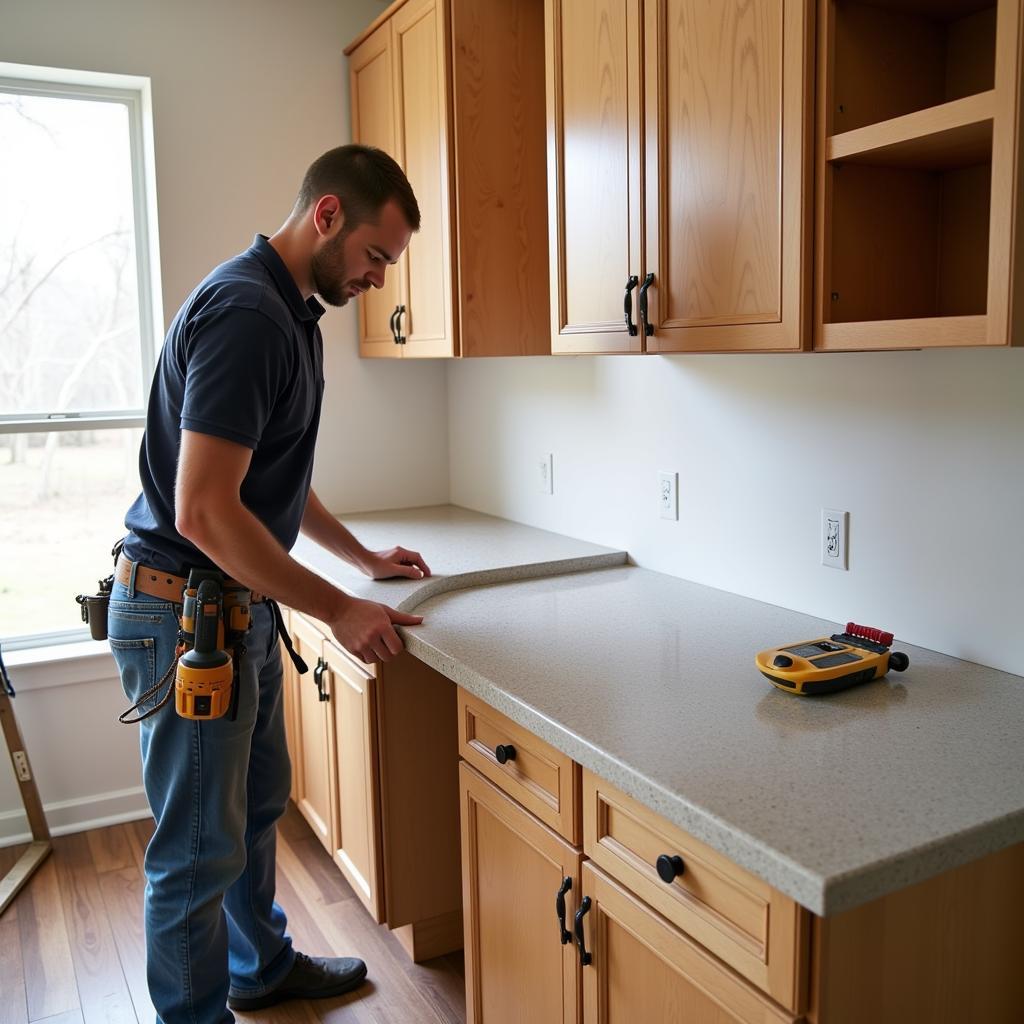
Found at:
<point>462,548</point>
<point>650,681</point>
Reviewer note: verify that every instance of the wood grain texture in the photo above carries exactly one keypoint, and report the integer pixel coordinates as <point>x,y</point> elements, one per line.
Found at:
<point>76,930</point>
<point>103,992</point>
<point>645,970</point>
<point>418,741</point>
<point>594,160</point>
<point>500,176</point>
<point>947,950</point>
<point>357,842</point>
<point>758,931</point>
<point>728,174</point>
<point>420,86</point>
<point>722,167</point>
<point>512,868</point>
<point>45,946</point>
<point>13,1004</point>
<point>371,85</point>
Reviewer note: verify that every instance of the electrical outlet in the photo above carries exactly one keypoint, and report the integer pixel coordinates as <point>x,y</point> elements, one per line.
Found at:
<point>546,465</point>
<point>21,765</point>
<point>834,528</point>
<point>668,495</point>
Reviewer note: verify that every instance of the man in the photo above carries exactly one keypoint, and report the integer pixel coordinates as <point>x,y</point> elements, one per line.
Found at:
<point>226,464</point>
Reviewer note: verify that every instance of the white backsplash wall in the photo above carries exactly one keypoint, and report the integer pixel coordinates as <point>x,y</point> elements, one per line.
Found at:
<point>925,450</point>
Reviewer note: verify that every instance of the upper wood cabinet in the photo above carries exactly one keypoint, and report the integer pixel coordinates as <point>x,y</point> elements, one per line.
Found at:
<point>917,173</point>
<point>679,174</point>
<point>454,90</point>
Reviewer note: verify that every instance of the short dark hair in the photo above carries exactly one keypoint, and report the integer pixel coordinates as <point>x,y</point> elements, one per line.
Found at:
<point>364,179</point>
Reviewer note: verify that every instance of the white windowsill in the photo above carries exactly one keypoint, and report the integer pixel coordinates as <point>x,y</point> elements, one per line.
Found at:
<point>38,668</point>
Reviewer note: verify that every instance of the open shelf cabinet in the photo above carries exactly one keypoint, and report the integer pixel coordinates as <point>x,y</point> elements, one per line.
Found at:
<point>916,173</point>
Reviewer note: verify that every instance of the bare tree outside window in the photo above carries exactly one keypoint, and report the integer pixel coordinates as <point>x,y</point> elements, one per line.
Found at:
<point>75,353</point>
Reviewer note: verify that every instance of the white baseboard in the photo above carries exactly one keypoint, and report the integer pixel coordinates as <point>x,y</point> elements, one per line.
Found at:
<point>66,816</point>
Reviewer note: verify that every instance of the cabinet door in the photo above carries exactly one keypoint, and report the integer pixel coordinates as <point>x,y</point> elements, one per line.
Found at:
<point>357,847</point>
<point>371,81</point>
<point>517,969</point>
<point>728,100</point>
<point>594,159</point>
<point>419,42</point>
<point>643,969</point>
<point>313,734</point>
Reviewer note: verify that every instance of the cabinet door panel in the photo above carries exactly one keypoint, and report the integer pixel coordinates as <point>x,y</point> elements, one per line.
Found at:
<point>373,124</point>
<point>421,89</point>
<point>594,126</point>
<point>314,742</point>
<point>643,969</point>
<point>726,160</point>
<point>357,850</point>
<point>516,968</point>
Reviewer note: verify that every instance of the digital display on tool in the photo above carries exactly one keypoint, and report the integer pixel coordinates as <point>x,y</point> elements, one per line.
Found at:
<point>830,664</point>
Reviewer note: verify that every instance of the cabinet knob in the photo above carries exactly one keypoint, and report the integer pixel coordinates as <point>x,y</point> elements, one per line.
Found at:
<point>670,867</point>
<point>391,325</point>
<point>505,752</point>
<point>399,336</point>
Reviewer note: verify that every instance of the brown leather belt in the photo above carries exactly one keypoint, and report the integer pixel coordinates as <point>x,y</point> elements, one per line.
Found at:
<point>164,585</point>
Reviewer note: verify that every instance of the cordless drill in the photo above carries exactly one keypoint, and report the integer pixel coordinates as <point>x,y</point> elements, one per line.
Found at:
<point>203,681</point>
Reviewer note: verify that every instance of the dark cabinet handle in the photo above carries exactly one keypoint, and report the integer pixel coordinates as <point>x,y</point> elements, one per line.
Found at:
<point>505,752</point>
<point>399,336</point>
<point>645,323</point>
<point>627,304</point>
<point>563,933</point>
<point>670,867</point>
<point>391,325</point>
<point>318,678</point>
<point>581,943</point>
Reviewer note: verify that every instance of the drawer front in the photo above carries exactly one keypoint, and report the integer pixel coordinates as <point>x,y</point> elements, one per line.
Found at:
<point>744,921</point>
<point>544,780</point>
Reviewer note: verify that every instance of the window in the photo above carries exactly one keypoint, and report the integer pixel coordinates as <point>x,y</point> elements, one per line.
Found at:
<point>79,325</point>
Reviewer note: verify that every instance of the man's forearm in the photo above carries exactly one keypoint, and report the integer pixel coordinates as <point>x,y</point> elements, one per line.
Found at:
<point>319,525</point>
<point>236,541</point>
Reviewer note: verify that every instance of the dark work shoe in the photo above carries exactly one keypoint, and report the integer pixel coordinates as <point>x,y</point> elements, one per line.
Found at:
<point>311,977</point>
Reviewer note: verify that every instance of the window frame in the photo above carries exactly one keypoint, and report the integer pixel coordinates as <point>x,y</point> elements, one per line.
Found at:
<point>135,93</point>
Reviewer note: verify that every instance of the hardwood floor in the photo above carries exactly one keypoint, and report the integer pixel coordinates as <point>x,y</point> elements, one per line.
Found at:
<point>72,948</point>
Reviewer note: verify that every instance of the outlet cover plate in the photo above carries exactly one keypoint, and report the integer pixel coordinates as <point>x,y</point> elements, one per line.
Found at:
<point>546,473</point>
<point>668,495</point>
<point>834,531</point>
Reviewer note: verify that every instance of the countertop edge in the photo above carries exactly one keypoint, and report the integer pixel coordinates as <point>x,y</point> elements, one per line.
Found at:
<point>822,896</point>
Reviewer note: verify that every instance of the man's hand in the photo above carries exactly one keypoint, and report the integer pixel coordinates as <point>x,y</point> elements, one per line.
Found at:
<point>367,630</point>
<point>382,565</point>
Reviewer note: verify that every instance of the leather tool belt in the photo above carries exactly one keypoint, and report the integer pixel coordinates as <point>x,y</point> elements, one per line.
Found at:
<point>164,585</point>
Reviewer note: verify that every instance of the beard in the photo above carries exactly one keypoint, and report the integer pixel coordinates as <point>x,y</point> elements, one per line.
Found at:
<point>328,270</point>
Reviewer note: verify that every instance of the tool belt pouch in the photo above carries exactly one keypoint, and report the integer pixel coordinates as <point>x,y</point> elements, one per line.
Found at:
<point>206,686</point>
<point>94,608</point>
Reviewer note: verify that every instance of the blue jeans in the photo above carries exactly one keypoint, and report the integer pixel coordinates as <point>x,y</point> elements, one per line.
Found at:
<point>216,789</point>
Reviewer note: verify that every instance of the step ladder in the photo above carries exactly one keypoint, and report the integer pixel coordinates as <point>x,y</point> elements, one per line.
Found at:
<point>40,845</point>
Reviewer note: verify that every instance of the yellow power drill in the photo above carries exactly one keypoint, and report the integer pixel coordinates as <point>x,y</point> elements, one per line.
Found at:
<point>203,681</point>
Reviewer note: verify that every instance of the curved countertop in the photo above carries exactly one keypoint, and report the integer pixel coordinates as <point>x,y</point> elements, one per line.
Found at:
<point>649,681</point>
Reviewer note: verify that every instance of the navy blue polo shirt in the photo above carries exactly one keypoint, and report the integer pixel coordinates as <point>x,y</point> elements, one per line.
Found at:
<point>243,360</point>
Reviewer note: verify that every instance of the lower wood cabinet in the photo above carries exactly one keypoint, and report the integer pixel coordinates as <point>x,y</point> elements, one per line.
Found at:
<point>313,766</point>
<point>374,753</point>
<point>352,689</point>
<point>517,967</point>
<point>641,968</point>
